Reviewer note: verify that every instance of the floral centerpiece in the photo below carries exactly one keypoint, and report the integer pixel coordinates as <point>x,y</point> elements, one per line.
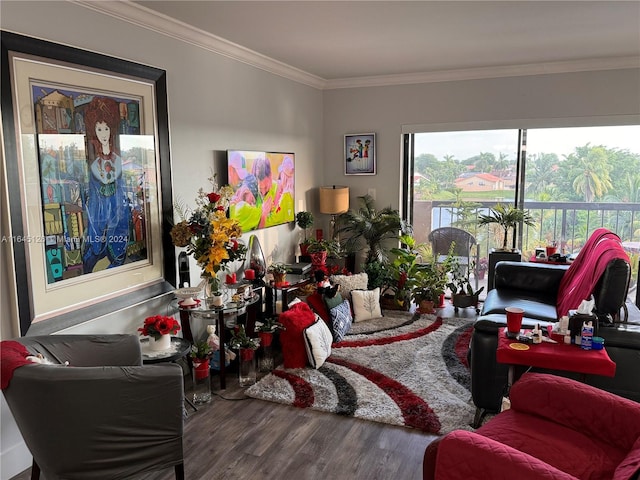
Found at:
<point>159,330</point>
<point>208,234</point>
<point>159,325</point>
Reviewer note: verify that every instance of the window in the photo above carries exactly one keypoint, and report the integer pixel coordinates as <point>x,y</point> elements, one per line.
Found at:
<point>571,179</point>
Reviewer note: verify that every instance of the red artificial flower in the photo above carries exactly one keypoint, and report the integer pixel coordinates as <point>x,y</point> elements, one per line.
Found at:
<point>220,208</point>
<point>159,325</point>
<point>213,197</point>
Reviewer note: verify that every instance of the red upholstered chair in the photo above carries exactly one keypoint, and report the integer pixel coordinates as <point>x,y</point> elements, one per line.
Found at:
<point>557,428</point>
<point>298,317</point>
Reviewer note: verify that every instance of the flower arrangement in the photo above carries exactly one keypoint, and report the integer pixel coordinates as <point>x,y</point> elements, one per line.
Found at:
<point>208,234</point>
<point>159,325</point>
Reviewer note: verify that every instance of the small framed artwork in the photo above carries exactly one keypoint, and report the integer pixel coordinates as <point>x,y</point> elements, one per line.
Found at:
<point>360,154</point>
<point>88,176</point>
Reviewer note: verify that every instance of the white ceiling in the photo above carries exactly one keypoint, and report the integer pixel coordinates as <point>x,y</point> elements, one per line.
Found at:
<point>338,41</point>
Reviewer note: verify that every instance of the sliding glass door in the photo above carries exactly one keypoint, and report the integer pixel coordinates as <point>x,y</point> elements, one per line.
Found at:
<point>572,180</point>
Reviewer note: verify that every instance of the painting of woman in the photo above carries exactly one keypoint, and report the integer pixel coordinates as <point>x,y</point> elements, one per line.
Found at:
<point>107,213</point>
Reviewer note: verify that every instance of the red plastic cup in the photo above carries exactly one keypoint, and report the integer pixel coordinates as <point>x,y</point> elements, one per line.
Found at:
<point>551,250</point>
<point>514,319</point>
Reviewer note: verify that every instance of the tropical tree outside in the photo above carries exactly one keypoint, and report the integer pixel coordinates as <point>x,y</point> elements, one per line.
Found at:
<point>570,175</point>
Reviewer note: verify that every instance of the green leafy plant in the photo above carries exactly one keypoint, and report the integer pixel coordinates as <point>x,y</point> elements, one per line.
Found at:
<point>507,217</point>
<point>269,324</point>
<point>240,339</point>
<point>305,221</point>
<point>459,283</point>
<point>368,228</point>
<point>277,267</point>
<point>431,278</point>
<point>201,350</point>
<point>332,247</point>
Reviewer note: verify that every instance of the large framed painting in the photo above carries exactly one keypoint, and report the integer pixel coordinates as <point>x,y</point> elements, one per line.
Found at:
<point>360,154</point>
<point>88,180</point>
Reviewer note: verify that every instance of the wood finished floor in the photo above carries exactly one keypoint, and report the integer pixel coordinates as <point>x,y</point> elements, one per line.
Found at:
<point>238,438</point>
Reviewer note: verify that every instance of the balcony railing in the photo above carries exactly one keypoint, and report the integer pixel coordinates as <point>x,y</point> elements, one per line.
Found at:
<point>567,223</point>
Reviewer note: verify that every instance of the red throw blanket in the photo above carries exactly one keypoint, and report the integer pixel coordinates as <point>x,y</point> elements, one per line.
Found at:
<point>14,355</point>
<point>582,276</point>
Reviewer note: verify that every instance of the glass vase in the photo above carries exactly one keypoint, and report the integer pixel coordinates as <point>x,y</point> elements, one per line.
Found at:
<point>201,381</point>
<point>247,367</point>
<point>265,359</point>
<point>213,294</point>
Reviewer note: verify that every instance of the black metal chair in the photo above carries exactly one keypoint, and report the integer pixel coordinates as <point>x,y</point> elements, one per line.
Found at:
<point>441,240</point>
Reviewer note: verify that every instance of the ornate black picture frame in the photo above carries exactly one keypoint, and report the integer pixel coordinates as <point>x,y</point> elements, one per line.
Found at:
<point>31,65</point>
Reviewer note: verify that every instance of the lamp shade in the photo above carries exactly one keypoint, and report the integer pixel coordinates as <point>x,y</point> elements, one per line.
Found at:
<point>334,199</point>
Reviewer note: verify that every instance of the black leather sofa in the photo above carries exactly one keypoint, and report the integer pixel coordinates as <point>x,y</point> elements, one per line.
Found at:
<point>534,287</point>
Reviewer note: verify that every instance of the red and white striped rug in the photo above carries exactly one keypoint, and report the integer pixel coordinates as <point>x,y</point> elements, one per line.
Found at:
<point>404,369</point>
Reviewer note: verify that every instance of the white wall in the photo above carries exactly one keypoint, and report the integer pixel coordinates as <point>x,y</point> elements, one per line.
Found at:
<point>215,104</point>
<point>537,98</point>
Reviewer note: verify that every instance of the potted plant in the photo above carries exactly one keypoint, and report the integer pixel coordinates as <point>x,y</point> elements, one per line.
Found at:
<point>319,250</point>
<point>507,217</point>
<point>279,272</point>
<point>305,221</point>
<point>462,293</point>
<point>399,274</point>
<point>368,228</point>
<point>246,347</point>
<point>201,353</point>
<point>425,292</point>
<point>266,329</point>
<point>431,281</point>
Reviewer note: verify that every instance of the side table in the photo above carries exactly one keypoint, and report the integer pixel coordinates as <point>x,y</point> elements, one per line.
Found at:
<point>553,356</point>
<point>179,348</point>
<point>217,315</point>
<point>294,282</point>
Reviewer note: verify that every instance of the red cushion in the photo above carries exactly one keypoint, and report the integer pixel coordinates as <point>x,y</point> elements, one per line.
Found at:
<point>316,302</point>
<point>295,320</point>
<point>568,450</point>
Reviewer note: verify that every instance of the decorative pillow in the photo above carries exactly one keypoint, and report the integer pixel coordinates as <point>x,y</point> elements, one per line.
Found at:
<point>366,304</point>
<point>316,302</point>
<point>341,320</point>
<point>334,301</point>
<point>317,340</point>
<point>359,281</point>
<point>295,320</point>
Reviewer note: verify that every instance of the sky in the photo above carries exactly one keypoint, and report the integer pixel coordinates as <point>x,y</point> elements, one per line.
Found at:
<point>561,141</point>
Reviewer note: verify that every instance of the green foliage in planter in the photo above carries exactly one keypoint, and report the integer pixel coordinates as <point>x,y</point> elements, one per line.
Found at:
<point>459,283</point>
<point>507,217</point>
<point>201,350</point>
<point>304,221</point>
<point>368,228</point>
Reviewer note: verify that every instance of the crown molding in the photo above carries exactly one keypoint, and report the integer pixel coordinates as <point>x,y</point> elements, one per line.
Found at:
<point>151,20</point>
<point>164,25</point>
<point>571,66</point>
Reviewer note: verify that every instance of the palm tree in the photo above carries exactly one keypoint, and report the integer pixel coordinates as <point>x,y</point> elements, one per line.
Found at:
<point>590,172</point>
<point>540,172</point>
<point>507,217</point>
<point>370,227</point>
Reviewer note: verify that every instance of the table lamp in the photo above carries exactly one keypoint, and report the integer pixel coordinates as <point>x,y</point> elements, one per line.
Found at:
<point>333,201</point>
